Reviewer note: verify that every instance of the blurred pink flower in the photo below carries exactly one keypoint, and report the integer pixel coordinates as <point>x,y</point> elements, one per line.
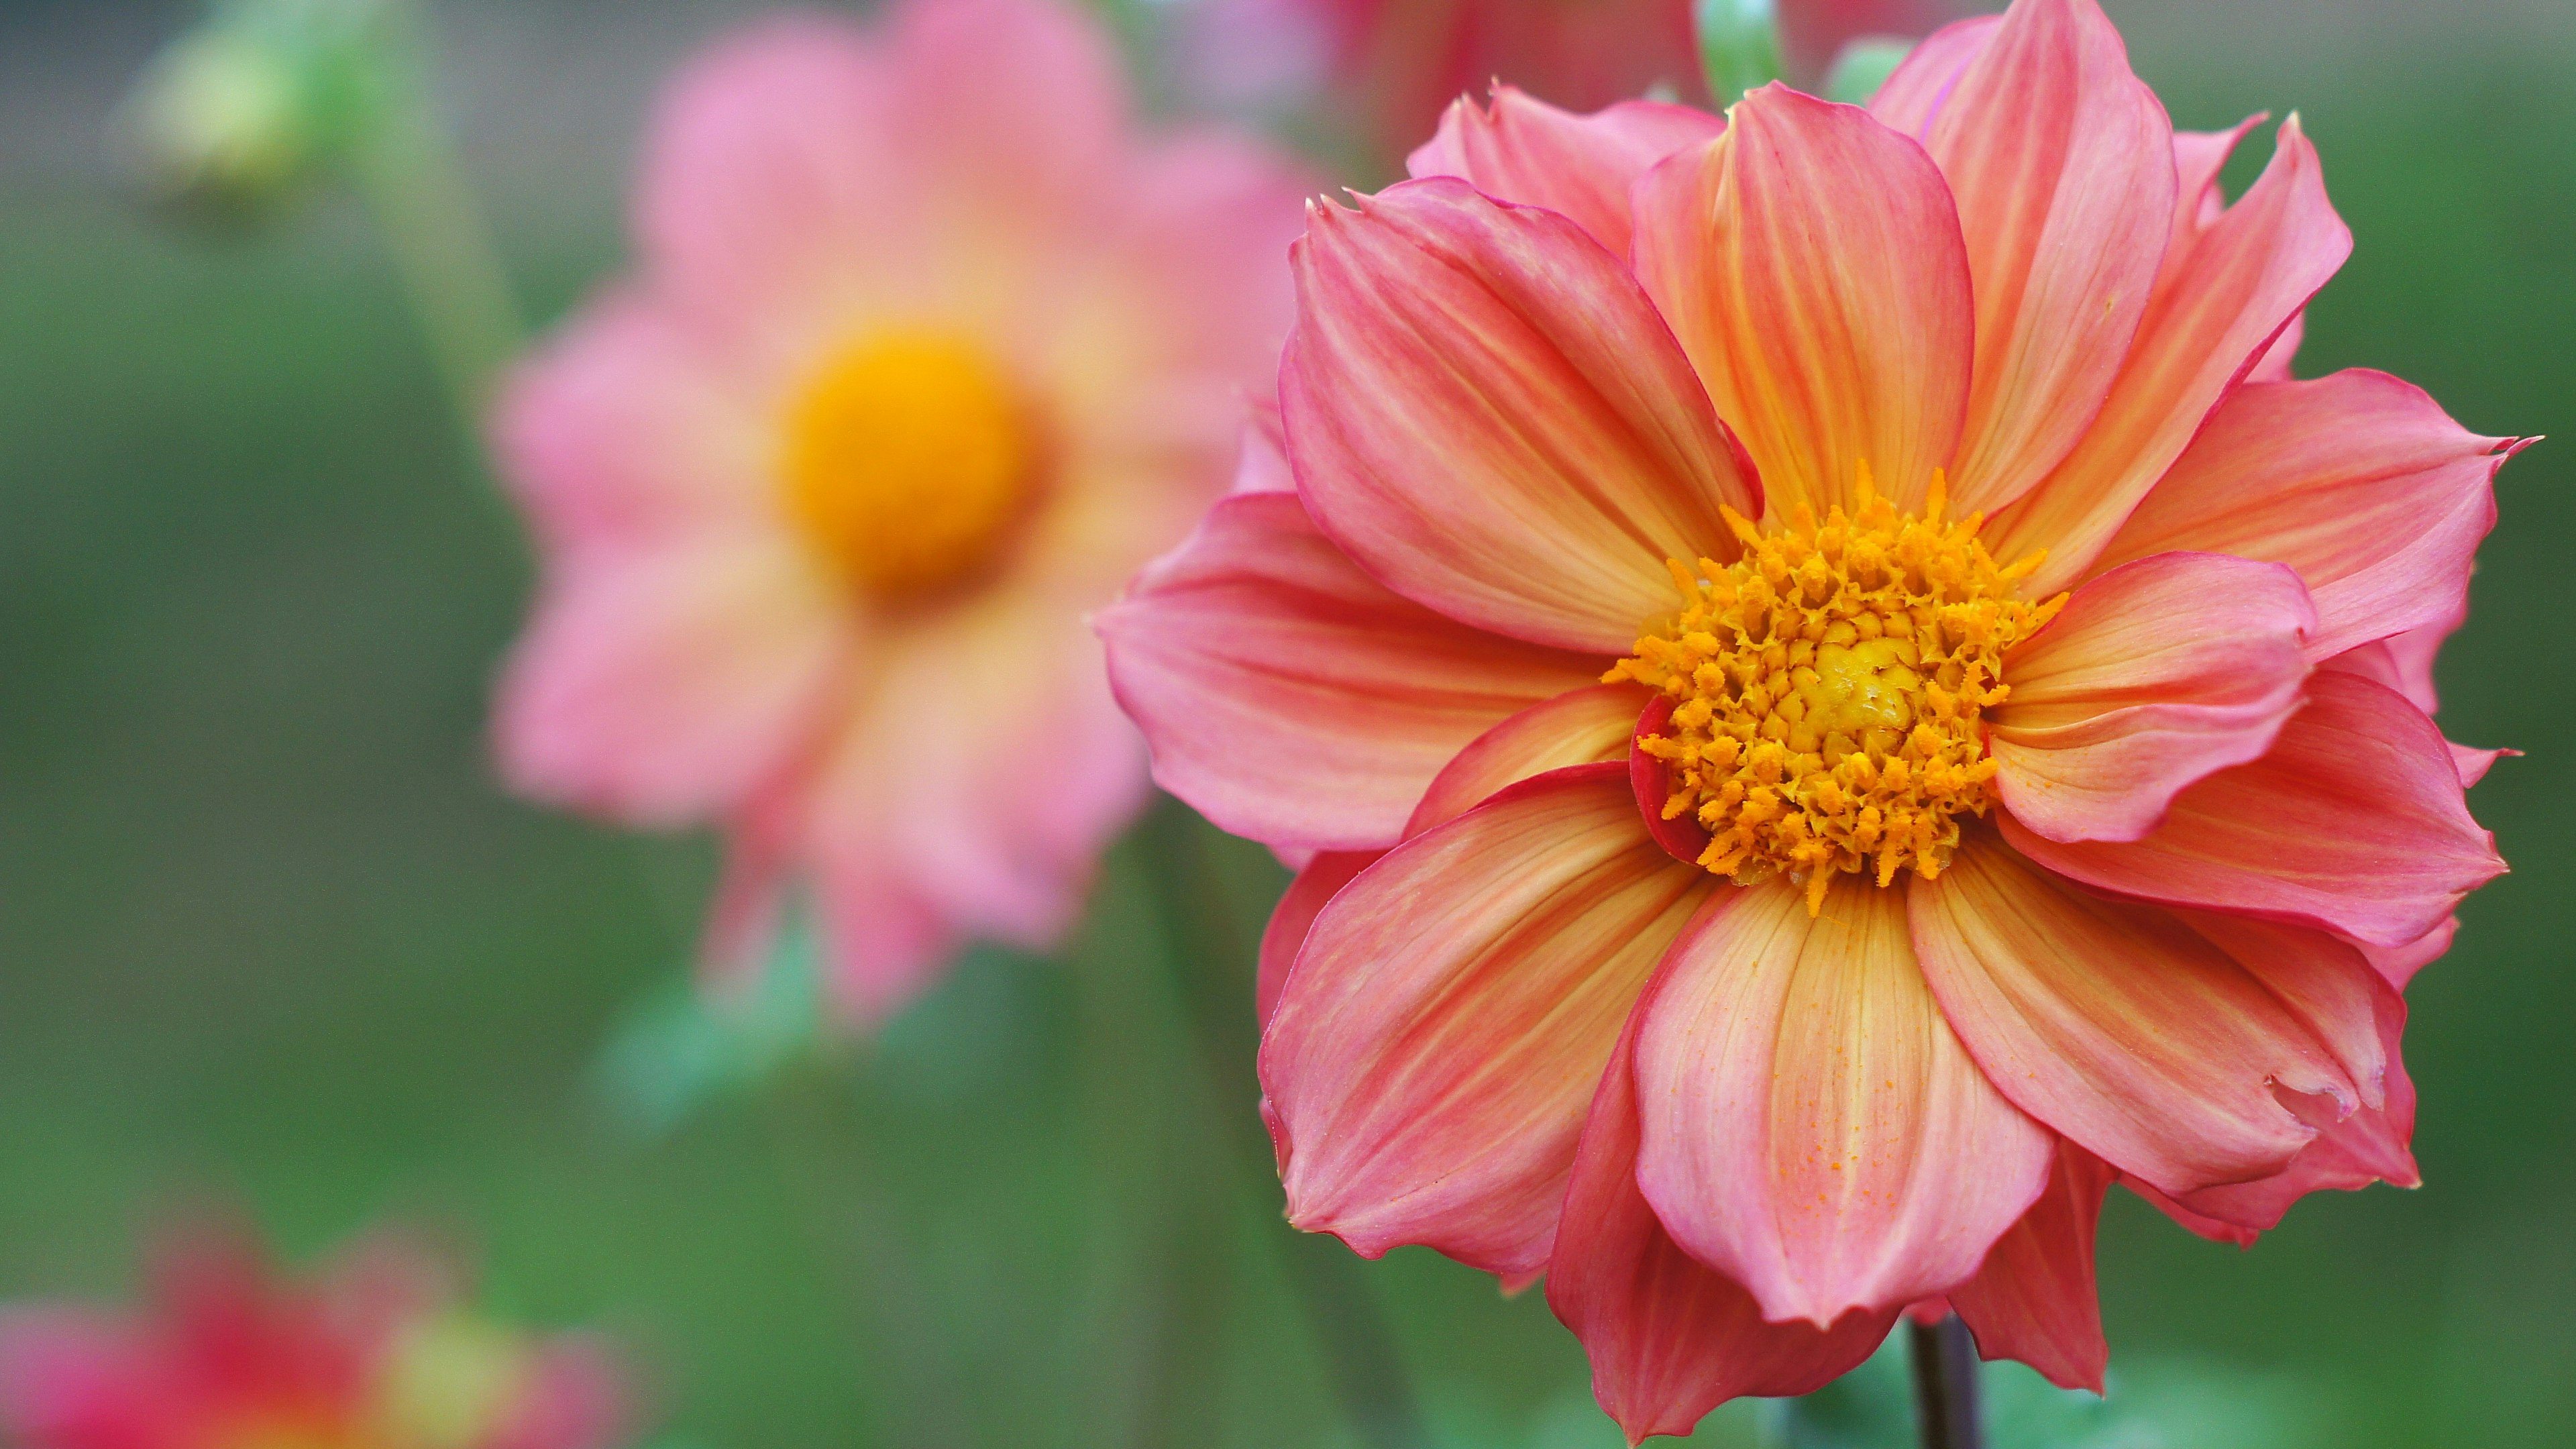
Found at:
<point>925,350</point>
<point>374,1353</point>
<point>1386,69</point>
<point>1734,891</point>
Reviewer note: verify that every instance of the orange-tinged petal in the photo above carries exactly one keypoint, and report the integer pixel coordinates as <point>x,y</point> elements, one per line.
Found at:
<point>1486,412</point>
<point>2062,164</point>
<point>2119,1025</point>
<point>1429,1063</point>
<point>1669,1339</point>
<point>2153,676</point>
<point>2359,481</point>
<point>2219,302</point>
<point>2353,823</point>
<point>1580,727</point>
<point>1811,1126</point>
<point>1520,149</point>
<point>2033,1298</point>
<point>1294,699</point>
<point>1914,94</point>
<point>1810,260</point>
<point>1316,884</point>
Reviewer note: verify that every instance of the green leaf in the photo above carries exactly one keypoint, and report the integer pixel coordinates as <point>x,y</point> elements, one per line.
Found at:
<point>1739,45</point>
<point>1864,66</point>
<point>684,1044</point>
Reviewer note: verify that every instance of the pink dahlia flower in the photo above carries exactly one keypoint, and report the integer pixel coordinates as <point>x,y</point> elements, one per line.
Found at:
<point>925,351</point>
<point>375,1353</point>
<point>1839,699</point>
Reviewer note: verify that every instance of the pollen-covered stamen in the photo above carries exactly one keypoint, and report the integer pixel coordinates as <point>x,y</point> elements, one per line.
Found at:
<point>1827,690</point>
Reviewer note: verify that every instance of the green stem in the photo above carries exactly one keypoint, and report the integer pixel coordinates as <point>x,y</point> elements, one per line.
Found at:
<point>1209,947</point>
<point>1945,1384</point>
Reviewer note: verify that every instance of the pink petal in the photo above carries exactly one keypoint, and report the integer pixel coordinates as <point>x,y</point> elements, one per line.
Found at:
<point>1668,1338</point>
<point>2398,964</point>
<point>1811,1127</point>
<point>2199,1224</point>
<point>2154,675</point>
<point>2062,163</point>
<point>1429,1062</point>
<point>1574,451</point>
<point>1913,96</point>
<point>2218,302</point>
<point>2274,365</point>
<point>658,687</point>
<point>2033,1299</point>
<point>1317,882</point>
<point>1021,103</point>
<point>2118,1025</point>
<point>1292,698</point>
<point>1261,465</point>
<point>1521,149</point>
<point>1810,260</point>
<point>2359,481</point>
<point>2353,823</point>
<point>1580,727</point>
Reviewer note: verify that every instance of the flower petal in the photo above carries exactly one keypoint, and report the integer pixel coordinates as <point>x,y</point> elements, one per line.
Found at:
<point>2359,481</point>
<point>1812,1128</point>
<point>2033,1299</point>
<point>1429,1062</point>
<point>1316,884</point>
<point>2062,164</point>
<point>2218,302</point>
<point>1668,1338</point>
<point>2354,823</point>
<point>1580,727</point>
<point>1810,260</point>
<point>2118,1025</point>
<point>657,687</point>
<point>1520,149</point>
<point>1289,696</point>
<point>2153,676</point>
<point>1487,413</point>
<point>1912,97</point>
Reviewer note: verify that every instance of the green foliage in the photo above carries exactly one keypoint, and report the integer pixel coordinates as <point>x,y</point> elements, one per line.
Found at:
<point>1739,45</point>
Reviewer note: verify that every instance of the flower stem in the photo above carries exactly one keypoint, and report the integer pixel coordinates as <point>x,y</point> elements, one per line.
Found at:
<point>1210,949</point>
<point>1945,1384</point>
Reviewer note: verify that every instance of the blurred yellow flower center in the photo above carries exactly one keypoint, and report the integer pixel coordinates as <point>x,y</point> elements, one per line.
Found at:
<point>907,461</point>
<point>1827,689</point>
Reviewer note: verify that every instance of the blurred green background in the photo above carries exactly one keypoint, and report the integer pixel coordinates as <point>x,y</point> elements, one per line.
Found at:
<point>270,935</point>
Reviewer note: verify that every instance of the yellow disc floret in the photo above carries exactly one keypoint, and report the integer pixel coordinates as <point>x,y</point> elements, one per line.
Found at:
<point>1827,688</point>
<point>906,460</point>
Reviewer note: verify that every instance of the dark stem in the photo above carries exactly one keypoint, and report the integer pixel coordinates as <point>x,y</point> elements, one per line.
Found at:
<point>1211,953</point>
<point>1945,1384</point>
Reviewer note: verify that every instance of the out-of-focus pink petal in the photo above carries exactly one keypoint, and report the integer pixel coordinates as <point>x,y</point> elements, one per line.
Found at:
<point>1669,1339</point>
<point>1317,882</point>
<point>1429,1062</point>
<point>1813,33</point>
<point>2063,167</point>
<point>1523,150</point>
<point>2359,481</point>
<point>1832,332</point>
<point>2353,823</point>
<point>2118,1025</point>
<point>574,1396</point>
<point>1580,727</point>
<point>1262,464</point>
<point>1022,101</point>
<point>2153,676</point>
<point>1486,412</point>
<point>2033,1298</point>
<point>657,686</point>
<point>2217,304</point>
<point>1292,698</point>
<point>1811,1127</point>
<point>1913,96</point>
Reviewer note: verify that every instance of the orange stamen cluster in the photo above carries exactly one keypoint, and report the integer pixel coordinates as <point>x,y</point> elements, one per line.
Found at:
<point>1827,688</point>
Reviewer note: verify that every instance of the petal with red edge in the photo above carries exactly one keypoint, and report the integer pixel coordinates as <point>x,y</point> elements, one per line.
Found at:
<point>1668,1338</point>
<point>1811,263</point>
<point>2033,1299</point>
<point>1293,699</point>
<point>2359,481</point>
<point>2199,1224</point>
<point>1811,1126</point>
<point>2217,304</point>
<point>2400,963</point>
<point>2117,1024</point>
<point>2153,676</point>
<point>1580,727</point>
<point>1317,882</point>
<point>1486,412</point>
<point>1429,1061</point>
<point>1520,149</point>
<point>2062,163</point>
<point>2354,823</point>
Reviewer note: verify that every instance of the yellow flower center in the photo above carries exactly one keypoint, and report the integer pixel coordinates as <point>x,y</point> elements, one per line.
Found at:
<point>1827,689</point>
<point>907,460</point>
